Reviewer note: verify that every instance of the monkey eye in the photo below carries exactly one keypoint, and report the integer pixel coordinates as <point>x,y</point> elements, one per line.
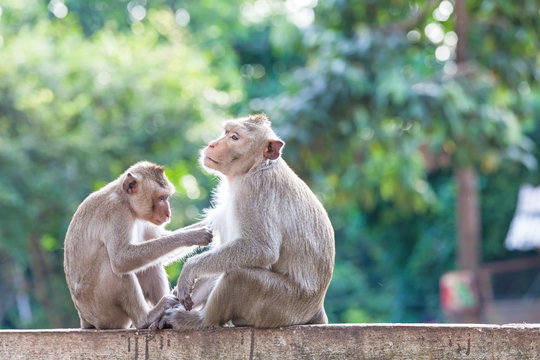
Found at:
<point>235,136</point>
<point>163,198</point>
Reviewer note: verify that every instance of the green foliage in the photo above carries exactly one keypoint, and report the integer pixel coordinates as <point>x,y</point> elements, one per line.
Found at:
<point>74,113</point>
<point>378,111</point>
<point>374,122</point>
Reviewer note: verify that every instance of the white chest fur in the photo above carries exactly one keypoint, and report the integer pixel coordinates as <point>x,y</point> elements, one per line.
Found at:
<point>137,231</point>
<point>223,216</point>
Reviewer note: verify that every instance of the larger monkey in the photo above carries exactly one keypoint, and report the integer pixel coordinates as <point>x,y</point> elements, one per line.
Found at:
<point>277,253</point>
<point>114,247</point>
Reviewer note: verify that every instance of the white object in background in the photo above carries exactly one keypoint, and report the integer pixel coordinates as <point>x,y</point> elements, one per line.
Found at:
<point>524,232</point>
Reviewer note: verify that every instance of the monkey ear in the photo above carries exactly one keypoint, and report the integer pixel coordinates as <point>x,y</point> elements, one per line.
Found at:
<point>273,149</point>
<point>130,185</point>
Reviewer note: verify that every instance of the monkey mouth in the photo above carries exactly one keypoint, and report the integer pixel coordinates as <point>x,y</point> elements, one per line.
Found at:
<point>161,221</point>
<point>212,160</point>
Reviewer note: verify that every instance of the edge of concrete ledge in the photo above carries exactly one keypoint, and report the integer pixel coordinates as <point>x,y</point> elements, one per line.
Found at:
<point>334,341</point>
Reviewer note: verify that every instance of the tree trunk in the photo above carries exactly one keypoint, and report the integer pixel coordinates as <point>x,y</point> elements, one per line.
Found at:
<point>468,211</point>
<point>468,216</point>
<point>462,21</point>
<point>468,220</point>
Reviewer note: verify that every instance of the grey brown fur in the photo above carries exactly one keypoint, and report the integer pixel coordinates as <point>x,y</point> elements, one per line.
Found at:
<point>115,246</point>
<point>276,257</point>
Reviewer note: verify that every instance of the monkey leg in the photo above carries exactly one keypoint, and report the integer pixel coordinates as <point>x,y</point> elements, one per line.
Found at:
<point>202,290</point>
<point>320,317</point>
<point>85,324</point>
<point>112,302</point>
<point>131,300</point>
<point>116,302</point>
<point>154,283</point>
<point>260,298</point>
<point>250,297</point>
<point>178,317</point>
<point>135,306</point>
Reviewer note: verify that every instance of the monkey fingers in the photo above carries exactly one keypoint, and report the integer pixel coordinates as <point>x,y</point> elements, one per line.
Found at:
<point>184,296</point>
<point>187,302</point>
<point>198,236</point>
<point>206,237</point>
<point>162,324</point>
<point>166,302</point>
<point>184,287</point>
<point>159,324</point>
<point>167,319</point>
<point>154,325</point>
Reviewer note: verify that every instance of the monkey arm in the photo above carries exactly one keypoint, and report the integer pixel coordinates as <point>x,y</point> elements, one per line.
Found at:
<point>236,254</point>
<point>126,257</point>
<point>239,253</point>
<point>257,246</point>
<point>197,225</point>
<point>152,231</point>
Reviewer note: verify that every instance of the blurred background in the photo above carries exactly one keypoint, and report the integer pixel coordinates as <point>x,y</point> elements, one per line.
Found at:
<point>415,122</point>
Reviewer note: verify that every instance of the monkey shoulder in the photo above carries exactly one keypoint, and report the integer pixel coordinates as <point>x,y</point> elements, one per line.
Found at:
<point>100,203</point>
<point>96,219</point>
<point>278,183</point>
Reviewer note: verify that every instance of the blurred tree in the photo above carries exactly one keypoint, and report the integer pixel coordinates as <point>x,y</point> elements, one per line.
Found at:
<point>376,115</point>
<point>74,113</point>
<point>381,89</point>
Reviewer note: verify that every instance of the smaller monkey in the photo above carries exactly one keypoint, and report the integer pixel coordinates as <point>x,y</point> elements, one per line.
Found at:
<point>115,246</point>
<point>275,259</point>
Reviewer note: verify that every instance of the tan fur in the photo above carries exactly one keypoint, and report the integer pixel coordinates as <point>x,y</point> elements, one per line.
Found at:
<point>276,256</point>
<point>115,246</point>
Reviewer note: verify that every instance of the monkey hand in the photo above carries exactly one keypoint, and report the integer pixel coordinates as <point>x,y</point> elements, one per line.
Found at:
<point>162,321</point>
<point>166,302</point>
<point>203,236</point>
<point>169,319</point>
<point>184,287</point>
<point>185,299</point>
<point>199,236</point>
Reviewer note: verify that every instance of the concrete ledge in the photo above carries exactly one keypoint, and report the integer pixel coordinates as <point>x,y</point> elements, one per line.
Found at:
<point>338,341</point>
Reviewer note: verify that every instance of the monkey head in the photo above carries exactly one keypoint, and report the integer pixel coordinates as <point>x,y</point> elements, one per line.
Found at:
<point>247,142</point>
<point>147,190</point>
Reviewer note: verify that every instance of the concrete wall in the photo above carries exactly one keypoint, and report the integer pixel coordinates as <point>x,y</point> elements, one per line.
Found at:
<point>339,341</point>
